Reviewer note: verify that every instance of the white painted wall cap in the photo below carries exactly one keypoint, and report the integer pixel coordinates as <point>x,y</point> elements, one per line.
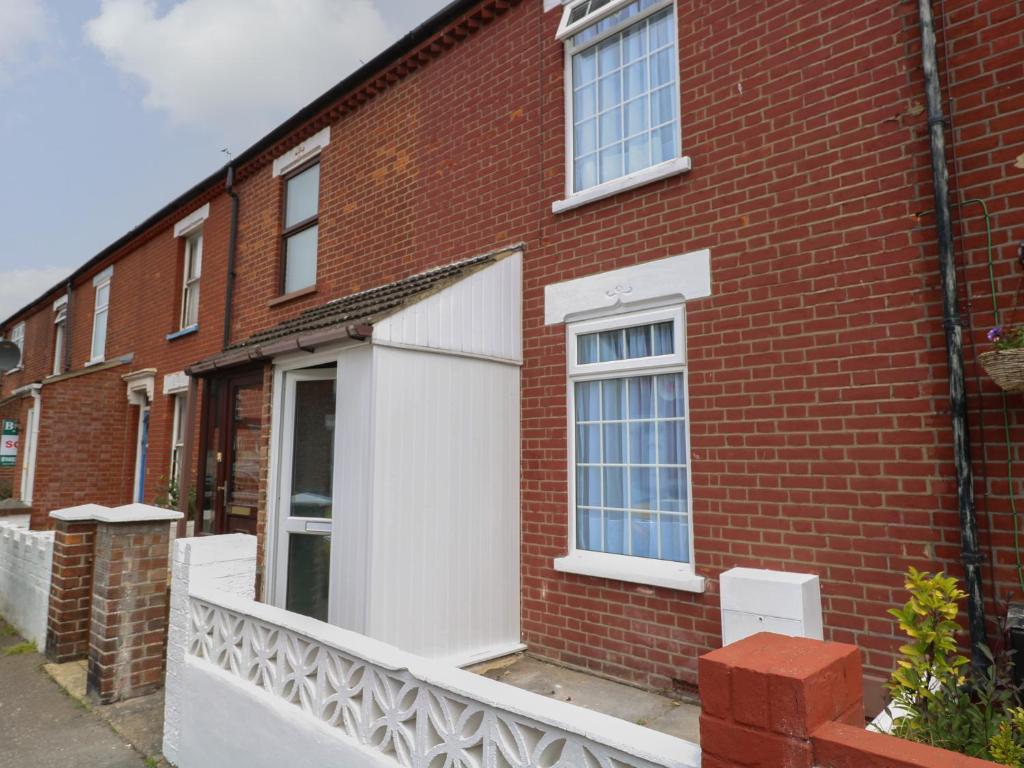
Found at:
<point>192,222</point>
<point>305,150</point>
<point>683,278</point>
<point>78,514</point>
<point>204,550</point>
<point>137,513</point>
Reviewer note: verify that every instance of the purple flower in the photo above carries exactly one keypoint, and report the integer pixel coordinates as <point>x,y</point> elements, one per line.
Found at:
<point>995,334</point>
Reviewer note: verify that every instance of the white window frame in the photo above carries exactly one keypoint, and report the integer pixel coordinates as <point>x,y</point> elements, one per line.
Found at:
<point>193,248</point>
<point>102,280</point>
<point>177,433</point>
<point>60,317</point>
<point>663,573</point>
<point>18,338</point>
<point>665,169</point>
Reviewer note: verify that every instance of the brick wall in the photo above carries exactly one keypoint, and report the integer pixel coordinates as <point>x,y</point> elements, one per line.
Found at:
<point>70,604</point>
<point>819,413</point>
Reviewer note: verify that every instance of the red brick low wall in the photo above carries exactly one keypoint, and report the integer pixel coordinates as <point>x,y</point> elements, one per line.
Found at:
<point>779,702</point>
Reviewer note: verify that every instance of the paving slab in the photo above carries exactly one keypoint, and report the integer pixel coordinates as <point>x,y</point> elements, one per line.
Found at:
<point>42,727</point>
<point>655,711</point>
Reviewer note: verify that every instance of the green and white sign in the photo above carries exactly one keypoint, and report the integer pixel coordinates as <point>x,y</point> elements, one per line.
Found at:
<point>8,443</point>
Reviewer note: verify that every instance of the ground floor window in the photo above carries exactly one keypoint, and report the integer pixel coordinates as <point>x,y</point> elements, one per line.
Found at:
<point>630,447</point>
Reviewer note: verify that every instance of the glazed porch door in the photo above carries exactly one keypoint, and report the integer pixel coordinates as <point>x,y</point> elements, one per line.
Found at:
<point>305,503</point>
<point>232,423</point>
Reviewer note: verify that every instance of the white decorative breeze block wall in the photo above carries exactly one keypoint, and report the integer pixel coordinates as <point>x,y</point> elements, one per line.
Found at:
<point>261,687</point>
<point>26,559</point>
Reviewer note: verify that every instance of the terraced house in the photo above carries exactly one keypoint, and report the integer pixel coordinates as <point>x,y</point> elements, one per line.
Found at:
<point>530,328</point>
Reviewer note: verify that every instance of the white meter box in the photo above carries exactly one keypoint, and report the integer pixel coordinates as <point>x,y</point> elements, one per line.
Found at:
<point>755,600</point>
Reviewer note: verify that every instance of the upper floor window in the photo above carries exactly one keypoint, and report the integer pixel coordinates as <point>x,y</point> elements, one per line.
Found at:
<point>18,337</point>
<point>101,310</point>
<point>60,324</point>
<point>622,89</point>
<point>193,268</point>
<point>301,216</point>
<point>630,439</point>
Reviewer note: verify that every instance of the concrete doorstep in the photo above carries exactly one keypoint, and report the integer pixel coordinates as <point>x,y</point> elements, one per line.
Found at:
<point>44,725</point>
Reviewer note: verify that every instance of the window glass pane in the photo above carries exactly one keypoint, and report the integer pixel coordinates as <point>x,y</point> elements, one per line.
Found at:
<point>672,489</point>
<point>611,163</point>
<point>636,118</point>
<point>611,346</point>
<point>663,144</point>
<point>586,172</point>
<point>190,310</point>
<point>614,487</point>
<point>615,533</point>
<point>635,80</point>
<point>641,442</point>
<point>642,490</point>
<point>585,140</point>
<point>103,295</point>
<point>588,403</point>
<point>644,536</point>
<point>671,402</point>
<point>588,444</point>
<point>588,486</point>
<point>99,334</point>
<point>586,348</point>
<point>611,127</point>
<point>638,153</point>
<point>300,260</point>
<point>671,442</point>
<point>584,67</point>
<point>585,104</point>
<point>638,341</point>
<point>302,196</point>
<point>634,43</point>
<point>664,342</point>
<point>614,402</point>
<point>641,400</point>
<point>675,538</point>
<point>662,29</point>
<point>588,529</point>
<point>608,55</point>
<point>309,575</point>
<point>663,106</point>
<point>615,444</point>
<point>313,449</point>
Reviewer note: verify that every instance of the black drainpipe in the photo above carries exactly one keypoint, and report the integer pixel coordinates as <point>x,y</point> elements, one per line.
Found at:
<point>969,552</point>
<point>232,250</point>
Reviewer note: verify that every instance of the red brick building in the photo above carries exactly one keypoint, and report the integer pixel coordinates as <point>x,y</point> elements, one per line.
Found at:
<point>762,177</point>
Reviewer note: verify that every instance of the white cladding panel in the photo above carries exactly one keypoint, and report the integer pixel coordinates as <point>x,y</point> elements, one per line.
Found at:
<point>444,578</point>
<point>479,315</point>
<point>353,489</point>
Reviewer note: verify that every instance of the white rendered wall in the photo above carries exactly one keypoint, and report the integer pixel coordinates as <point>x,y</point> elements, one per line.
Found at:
<point>264,688</point>
<point>224,563</point>
<point>26,560</point>
<point>444,570</point>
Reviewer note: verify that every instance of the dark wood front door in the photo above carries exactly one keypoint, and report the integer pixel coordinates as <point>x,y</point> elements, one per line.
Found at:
<point>230,446</point>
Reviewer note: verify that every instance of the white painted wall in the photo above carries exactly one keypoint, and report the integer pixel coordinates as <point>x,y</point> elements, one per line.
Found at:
<point>224,563</point>
<point>444,570</point>
<point>26,559</point>
<point>261,687</point>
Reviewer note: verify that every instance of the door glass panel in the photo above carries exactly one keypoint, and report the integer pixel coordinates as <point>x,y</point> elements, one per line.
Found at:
<point>245,450</point>
<point>313,449</point>
<point>309,570</point>
<point>210,460</point>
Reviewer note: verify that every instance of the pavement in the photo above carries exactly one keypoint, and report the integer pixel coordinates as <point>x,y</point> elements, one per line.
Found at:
<point>42,727</point>
<point>655,711</point>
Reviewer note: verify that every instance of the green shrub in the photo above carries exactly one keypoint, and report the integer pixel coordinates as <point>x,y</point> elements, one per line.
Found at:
<point>940,700</point>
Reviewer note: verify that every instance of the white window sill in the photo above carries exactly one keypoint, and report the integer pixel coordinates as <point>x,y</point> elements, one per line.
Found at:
<point>637,570</point>
<point>95,361</point>
<point>673,167</point>
<point>19,369</point>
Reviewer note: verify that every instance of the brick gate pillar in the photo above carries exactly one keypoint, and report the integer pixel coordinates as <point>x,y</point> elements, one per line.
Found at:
<point>67,626</point>
<point>128,633</point>
<point>763,697</point>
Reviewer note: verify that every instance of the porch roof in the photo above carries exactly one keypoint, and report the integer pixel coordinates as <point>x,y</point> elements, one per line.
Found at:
<point>351,316</point>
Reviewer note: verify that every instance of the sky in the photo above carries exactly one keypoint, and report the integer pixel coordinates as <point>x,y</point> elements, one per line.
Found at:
<point>109,109</point>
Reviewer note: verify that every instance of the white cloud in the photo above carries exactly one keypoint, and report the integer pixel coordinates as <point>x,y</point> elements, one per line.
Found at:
<point>238,66</point>
<point>23,25</point>
<point>20,286</point>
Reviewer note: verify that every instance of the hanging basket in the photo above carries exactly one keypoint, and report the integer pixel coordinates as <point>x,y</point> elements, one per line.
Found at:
<point>1006,367</point>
